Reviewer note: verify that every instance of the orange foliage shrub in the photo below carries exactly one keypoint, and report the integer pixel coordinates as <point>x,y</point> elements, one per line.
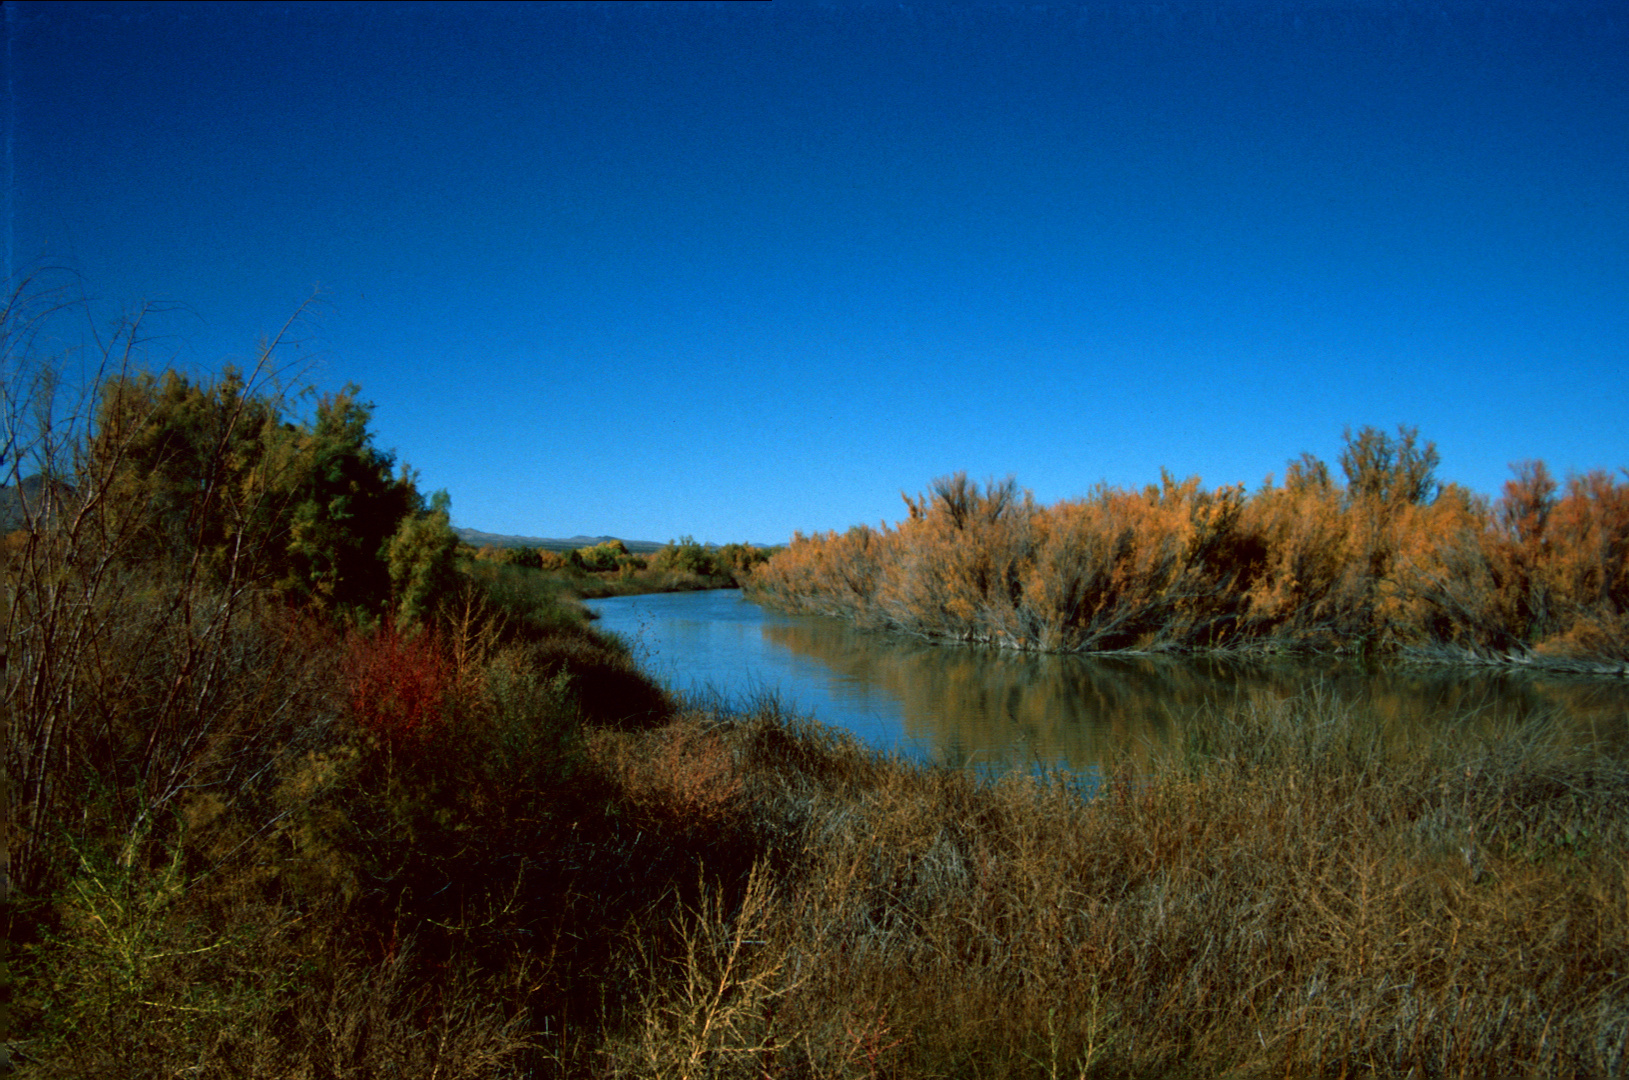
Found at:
<point>1138,569</point>
<point>1306,592</point>
<point>1533,574</point>
<point>1392,560</point>
<point>1119,569</point>
<point>834,574</point>
<point>1577,561</point>
<point>965,551</point>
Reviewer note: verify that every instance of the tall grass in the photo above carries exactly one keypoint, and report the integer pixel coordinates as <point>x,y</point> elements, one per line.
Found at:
<point>248,827</point>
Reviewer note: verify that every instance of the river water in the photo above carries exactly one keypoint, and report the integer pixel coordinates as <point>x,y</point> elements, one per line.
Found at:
<point>994,710</point>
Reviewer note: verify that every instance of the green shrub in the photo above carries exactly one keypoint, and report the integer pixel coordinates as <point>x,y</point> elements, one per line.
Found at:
<point>420,559</point>
<point>685,556</point>
<point>600,557</point>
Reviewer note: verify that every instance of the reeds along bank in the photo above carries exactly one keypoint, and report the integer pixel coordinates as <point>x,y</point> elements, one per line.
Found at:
<point>1389,561</point>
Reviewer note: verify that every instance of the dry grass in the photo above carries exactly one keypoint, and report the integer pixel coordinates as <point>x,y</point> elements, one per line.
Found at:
<point>680,775</point>
<point>753,896</point>
<point>1287,897</point>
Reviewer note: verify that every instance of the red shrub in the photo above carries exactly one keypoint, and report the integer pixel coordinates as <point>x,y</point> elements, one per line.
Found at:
<point>398,685</point>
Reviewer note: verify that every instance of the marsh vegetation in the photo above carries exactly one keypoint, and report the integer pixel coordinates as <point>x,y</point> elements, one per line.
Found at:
<point>292,791</point>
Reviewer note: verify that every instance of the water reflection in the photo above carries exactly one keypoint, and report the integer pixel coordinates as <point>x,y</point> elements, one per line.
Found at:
<point>992,709</point>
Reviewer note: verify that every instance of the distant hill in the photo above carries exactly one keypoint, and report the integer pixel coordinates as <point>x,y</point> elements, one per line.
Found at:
<point>476,538</point>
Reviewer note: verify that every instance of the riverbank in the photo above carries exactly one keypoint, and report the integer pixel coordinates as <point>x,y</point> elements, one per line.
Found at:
<point>486,844</point>
<point>559,870</point>
<point>1278,897</point>
<point>600,586</point>
<point>563,590</point>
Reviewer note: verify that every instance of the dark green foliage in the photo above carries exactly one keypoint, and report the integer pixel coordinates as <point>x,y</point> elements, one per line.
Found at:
<point>612,689</point>
<point>610,569</point>
<point>528,558</point>
<point>309,508</point>
<point>524,602</point>
<point>346,507</point>
<point>211,468</point>
<point>420,560</point>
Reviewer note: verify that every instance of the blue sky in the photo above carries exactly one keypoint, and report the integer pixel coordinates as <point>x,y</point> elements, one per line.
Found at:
<point>736,270</point>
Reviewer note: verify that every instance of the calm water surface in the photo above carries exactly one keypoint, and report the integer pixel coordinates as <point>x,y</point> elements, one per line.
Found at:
<point>994,709</point>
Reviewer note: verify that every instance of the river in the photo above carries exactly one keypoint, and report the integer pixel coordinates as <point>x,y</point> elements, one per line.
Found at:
<point>993,710</point>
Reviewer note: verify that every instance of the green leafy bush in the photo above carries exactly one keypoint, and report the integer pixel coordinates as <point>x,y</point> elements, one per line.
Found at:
<point>601,557</point>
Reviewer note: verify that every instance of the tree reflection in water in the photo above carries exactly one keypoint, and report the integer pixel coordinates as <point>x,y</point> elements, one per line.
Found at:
<point>993,710</point>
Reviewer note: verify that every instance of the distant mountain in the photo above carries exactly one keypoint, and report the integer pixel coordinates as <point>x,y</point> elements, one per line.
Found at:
<point>476,538</point>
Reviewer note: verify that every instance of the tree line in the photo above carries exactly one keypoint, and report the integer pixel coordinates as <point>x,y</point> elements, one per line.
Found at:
<point>681,560</point>
<point>1390,561</point>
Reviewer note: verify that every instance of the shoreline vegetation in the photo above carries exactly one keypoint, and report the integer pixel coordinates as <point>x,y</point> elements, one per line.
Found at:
<point>290,789</point>
<point>610,569</point>
<point>1390,564</point>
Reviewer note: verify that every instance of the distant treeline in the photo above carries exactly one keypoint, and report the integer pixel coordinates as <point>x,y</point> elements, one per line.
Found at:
<point>610,569</point>
<point>1390,561</point>
<point>477,539</point>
